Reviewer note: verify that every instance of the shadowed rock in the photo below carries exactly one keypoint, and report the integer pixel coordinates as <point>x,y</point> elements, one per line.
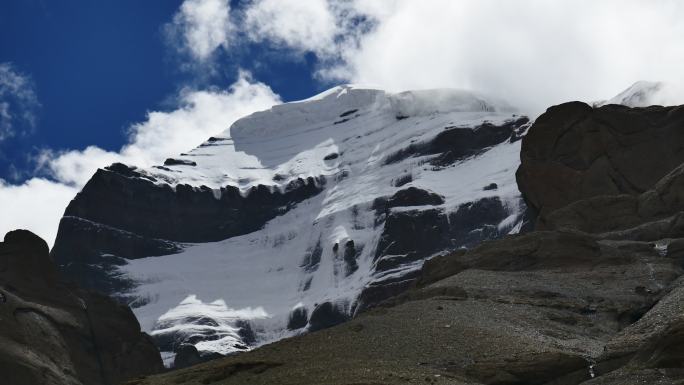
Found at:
<point>53,333</point>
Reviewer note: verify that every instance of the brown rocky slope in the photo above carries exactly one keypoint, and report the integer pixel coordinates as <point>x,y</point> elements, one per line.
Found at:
<point>52,333</point>
<point>594,296</point>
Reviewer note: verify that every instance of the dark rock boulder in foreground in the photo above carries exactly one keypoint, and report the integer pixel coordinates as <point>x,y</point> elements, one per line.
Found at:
<point>595,298</point>
<point>577,152</point>
<point>52,333</point>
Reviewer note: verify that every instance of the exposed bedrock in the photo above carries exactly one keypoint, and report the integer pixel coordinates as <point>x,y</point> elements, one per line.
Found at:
<point>53,333</point>
<point>411,236</point>
<point>457,143</point>
<point>123,214</point>
<point>426,232</point>
<point>132,202</point>
<point>574,152</point>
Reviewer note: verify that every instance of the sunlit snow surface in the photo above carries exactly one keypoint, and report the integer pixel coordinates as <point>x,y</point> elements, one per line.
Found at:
<point>259,277</point>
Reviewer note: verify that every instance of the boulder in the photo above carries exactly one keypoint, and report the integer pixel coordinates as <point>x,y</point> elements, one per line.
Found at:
<point>413,196</point>
<point>299,318</point>
<point>186,355</point>
<point>326,315</point>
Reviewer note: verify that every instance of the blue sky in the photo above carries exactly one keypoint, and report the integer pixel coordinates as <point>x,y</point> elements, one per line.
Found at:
<point>98,67</point>
<point>84,84</point>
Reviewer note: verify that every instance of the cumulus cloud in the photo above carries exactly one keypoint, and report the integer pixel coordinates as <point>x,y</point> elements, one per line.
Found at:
<point>304,25</point>
<point>164,134</point>
<point>533,53</point>
<point>203,26</point>
<point>39,203</point>
<point>324,27</point>
<point>18,102</point>
<point>36,205</point>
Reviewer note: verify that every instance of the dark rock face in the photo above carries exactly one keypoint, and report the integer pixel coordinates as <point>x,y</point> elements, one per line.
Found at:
<point>179,162</point>
<point>186,355</point>
<point>414,196</point>
<point>478,221</point>
<point>122,213</point>
<point>574,152</point>
<point>298,319</point>
<point>350,255</point>
<point>421,232</point>
<point>88,251</point>
<point>426,232</point>
<point>57,334</point>
<point>410,237</point>
<point>326,315</point>
<point>456,143</point>
<point>187,214</point>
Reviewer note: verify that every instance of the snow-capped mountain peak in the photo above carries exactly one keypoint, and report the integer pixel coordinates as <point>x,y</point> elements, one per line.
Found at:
<point>299,216</point>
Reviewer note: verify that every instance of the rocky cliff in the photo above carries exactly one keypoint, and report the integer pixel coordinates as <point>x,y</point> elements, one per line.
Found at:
<point>54,333</point>
<point>592,296</point>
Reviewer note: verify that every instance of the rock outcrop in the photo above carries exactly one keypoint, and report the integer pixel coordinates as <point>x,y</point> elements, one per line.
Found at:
<point>123,214</point>
<point>575,152</point>
<point>53,333</point>
<point>593,296</point>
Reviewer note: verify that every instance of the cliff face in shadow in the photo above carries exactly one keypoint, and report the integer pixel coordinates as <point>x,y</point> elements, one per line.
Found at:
<point>54,333</point>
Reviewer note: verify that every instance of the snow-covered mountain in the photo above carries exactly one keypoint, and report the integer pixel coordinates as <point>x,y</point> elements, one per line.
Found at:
<point>297,217</point>
<point>646,93</point>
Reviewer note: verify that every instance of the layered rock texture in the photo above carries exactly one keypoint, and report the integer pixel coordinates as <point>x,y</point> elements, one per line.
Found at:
<point>57,334</point>
<point>593,296</point>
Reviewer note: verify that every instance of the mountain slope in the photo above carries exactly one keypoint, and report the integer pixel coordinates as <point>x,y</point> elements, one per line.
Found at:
<point>593,298</point>
<point>297,217</point>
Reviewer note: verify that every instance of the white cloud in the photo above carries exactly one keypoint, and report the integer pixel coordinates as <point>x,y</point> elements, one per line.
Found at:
<point>39,203</point>
<point>203,26</point>
<point>18,102</point>
<point>324,27</point>
<point>533,53</point>
<point>36,205</point>
<point>302,25</point>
